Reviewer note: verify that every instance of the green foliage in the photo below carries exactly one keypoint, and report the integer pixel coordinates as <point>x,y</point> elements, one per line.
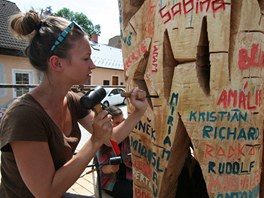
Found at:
<point>81,19</point>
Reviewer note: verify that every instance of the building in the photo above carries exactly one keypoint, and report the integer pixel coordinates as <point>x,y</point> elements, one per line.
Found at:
<point>109,63</point>
<point>115,41</point>
<point>16,69</point>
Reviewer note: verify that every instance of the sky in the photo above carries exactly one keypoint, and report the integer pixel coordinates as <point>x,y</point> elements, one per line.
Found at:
<point>102,12</point>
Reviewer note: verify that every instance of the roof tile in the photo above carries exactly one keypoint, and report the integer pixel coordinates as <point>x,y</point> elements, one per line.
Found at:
<point>7,41</point>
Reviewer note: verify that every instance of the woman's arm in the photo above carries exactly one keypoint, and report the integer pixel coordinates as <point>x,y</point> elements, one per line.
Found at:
<point>139,101</point>
<point>120,132</point>
<point>87,121</point>
<point>37,169</point>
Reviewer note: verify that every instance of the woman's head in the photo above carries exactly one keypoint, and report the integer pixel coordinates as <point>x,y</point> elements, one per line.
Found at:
<point>117,115</point>
<point>47,36</point>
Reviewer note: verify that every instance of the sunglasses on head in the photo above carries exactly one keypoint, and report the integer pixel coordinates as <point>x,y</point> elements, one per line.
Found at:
<point>64,34</point>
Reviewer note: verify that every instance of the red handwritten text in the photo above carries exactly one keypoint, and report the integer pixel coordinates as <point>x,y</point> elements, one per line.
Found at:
<point>135,55</point>
<point>154,59</point>
<point>240,99</point>
<point>255,59</point>
<point>187,6</point>
<point>238,151</point>
<point>143,167</point>
<point>233,182</point>
<point>150,16</point>
<point>140,193</point>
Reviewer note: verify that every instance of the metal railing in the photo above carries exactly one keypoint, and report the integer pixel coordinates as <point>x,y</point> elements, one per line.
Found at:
<point>75,88</point>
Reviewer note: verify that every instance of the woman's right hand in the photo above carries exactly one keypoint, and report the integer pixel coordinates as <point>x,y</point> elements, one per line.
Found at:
<point>102,127</point>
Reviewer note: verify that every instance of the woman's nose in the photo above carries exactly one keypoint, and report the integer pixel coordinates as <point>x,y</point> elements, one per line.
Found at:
<point>92,65</point>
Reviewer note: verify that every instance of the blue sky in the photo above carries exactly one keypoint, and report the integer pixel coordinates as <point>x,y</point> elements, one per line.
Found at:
<point>102,12</point>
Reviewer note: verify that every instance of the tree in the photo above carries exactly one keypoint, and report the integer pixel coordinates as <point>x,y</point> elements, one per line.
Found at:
<point>81,19</point>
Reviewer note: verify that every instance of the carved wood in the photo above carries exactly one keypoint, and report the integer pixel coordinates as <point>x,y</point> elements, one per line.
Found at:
<point>205,60</point>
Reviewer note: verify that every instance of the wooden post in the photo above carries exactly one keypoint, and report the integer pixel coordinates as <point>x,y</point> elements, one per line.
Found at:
<point>205,60</point>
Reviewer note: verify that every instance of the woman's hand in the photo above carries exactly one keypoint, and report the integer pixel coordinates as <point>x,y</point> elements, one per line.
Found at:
<point>138,100</point>
<point>102,127</point>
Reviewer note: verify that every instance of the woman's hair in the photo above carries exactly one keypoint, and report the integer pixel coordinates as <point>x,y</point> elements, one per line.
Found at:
<point>42,32</point>
<point>114,111</point>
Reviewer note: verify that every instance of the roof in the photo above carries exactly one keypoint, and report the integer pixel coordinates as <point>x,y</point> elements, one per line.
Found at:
<point>106,56</point>
<point>7,41</point>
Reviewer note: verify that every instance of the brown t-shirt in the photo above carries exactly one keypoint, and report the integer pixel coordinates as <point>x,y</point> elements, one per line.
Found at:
<point>26,120</point>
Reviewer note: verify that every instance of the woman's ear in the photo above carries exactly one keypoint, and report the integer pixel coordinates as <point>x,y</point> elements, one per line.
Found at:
<point>55,63</point>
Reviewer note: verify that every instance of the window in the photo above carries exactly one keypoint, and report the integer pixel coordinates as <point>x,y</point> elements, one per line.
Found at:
<point>21,77</point>
<point>106,82</point>
<point>114,92</point>
<point>120,91</point>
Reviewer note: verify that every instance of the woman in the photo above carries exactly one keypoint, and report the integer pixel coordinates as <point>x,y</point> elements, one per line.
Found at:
<point>39,132</point>
<point>116,179</point>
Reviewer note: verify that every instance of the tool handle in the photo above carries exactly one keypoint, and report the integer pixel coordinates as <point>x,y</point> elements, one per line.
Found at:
<point>97,108</point>
<point>126,94</point>
<point>115,147</point>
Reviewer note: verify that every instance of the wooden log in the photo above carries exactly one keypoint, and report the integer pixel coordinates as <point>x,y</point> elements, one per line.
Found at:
<point>205,60</point>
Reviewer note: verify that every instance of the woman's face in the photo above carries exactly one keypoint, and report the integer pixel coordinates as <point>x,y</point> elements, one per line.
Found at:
<point>80,62</point>
<point>118,119</point>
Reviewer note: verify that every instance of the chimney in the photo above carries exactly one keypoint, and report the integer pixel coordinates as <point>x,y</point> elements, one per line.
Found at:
<point>94,37</point>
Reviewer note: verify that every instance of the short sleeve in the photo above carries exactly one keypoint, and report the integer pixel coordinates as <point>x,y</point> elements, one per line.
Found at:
<point>24,123</point>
